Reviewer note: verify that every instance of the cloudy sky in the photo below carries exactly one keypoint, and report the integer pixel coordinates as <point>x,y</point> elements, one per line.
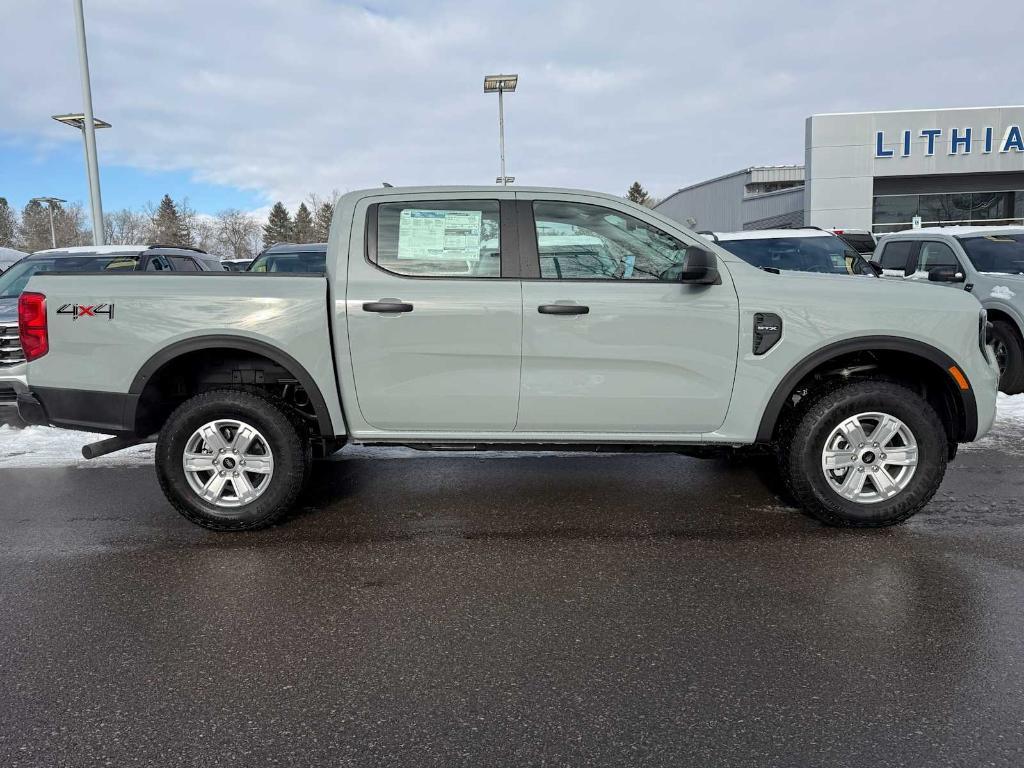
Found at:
<point>238,104</point>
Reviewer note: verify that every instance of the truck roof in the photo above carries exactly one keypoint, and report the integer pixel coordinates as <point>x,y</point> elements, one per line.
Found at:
<point>399,191</point>
<point>956,231</point>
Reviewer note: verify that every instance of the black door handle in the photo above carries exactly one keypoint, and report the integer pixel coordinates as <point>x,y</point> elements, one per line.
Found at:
<point>387,305</point>
<point>563,309</point>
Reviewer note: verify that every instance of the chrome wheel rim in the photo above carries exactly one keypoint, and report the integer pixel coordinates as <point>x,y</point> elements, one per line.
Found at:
<point>228,463</point>
<point>870,457</point>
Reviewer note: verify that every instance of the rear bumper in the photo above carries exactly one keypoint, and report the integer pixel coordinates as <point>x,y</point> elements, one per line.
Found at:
<point>108,413</point>
<point>12,384</point>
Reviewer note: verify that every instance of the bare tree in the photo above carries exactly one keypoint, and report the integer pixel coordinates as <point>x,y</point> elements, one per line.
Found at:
<point>323,212</point>
<point>237,234</point>
<point>127,227</point>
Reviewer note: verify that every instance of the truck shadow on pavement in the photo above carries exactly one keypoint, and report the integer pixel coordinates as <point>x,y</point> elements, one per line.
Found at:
<point>544,496</point>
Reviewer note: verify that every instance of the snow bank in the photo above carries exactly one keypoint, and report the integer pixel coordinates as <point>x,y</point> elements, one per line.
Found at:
<point>46,447</point>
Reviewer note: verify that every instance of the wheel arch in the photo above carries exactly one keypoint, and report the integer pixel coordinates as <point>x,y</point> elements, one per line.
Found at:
<point>160,361</point>
<point>823,359</point>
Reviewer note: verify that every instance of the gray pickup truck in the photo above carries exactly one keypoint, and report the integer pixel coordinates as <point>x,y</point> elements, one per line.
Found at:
<point>985,261</point>
<point>531,319</point>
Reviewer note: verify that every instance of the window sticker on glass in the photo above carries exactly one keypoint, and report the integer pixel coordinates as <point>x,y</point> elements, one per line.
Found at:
<point>439,235</point>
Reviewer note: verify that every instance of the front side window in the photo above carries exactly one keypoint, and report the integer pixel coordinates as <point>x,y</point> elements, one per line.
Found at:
<point>934,255</point>
<point>449,238</point>
<point>576,241</point>
<point>1003,254</point>
<point>895,256</point>
<point>183,264</point>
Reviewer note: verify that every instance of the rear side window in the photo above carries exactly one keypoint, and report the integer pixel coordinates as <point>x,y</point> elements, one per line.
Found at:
<point>450,238</point>
<point>895,255</point>
<point>183,264</point>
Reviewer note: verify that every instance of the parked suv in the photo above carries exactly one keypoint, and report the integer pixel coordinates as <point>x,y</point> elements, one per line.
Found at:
<point>106,258</point>
<point>796,250</point>
<point>985,261</point>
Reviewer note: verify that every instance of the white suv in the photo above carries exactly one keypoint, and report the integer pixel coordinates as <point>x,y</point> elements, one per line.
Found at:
<point>796,250</point>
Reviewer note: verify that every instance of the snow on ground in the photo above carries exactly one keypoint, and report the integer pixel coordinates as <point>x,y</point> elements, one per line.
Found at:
<point>47,447</point>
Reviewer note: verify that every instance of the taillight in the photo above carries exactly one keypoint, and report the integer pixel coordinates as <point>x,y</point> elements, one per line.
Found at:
<point>32,325</point>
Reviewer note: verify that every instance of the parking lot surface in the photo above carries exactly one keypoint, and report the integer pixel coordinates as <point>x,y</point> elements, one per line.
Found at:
<point>537,610</point>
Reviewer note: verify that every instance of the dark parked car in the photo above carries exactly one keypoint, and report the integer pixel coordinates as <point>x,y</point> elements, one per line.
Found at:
<point>292,257</point>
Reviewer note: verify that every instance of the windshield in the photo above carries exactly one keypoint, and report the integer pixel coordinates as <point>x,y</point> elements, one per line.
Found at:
<point>829,255</point>
<point>996,253</point>
<point>13,281</point>
<point>304,261</point>
<point>862,242</point>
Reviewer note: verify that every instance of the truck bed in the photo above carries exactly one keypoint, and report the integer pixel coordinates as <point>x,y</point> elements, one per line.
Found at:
<point>108,330</point>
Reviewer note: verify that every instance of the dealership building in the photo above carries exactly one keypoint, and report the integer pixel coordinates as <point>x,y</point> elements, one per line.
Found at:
<point>880,171</point>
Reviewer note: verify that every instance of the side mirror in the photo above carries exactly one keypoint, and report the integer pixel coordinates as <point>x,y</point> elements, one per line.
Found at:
<point>875,267</point>
<point>945,275</point>
<point>699,268</point>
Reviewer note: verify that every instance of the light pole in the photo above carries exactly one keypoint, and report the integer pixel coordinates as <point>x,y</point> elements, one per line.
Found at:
<point>77,120</point>
<point>49,204</point>
<point>500,84</point>
<point>87,123</point>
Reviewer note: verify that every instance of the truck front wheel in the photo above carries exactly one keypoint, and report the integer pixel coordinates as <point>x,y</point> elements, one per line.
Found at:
<point>1006,343</point>
<point>231,460</point>
<point>867,454</point>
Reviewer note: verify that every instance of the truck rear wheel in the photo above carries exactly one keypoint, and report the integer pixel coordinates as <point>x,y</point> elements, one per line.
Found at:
<point>1009,349</point>
<point>232,460</point>
<point>867,454</point>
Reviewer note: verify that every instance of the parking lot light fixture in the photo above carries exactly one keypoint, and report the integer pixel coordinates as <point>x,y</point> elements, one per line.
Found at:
<point>49,204</point>
<point>501,84</point>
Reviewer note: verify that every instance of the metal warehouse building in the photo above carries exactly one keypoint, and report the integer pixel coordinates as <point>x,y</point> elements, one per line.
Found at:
<point>876,171</point>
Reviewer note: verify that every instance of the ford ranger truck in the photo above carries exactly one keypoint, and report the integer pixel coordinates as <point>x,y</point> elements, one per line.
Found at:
<point>523,319</point>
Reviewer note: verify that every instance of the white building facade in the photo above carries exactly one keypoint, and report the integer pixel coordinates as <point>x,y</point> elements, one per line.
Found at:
<point>880,171</point>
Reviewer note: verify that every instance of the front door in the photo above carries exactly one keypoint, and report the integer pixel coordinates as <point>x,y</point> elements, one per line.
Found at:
<point>435,329</point>
<point>612,342</point>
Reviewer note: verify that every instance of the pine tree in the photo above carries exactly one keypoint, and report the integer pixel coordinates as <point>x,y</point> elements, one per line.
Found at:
<point>168,226</point>
<point>8,225</point>
<point>34,232</point>
<point>638,194</point>
<point>278,228</point>
<point>302,229</point>
<point>322,222</point>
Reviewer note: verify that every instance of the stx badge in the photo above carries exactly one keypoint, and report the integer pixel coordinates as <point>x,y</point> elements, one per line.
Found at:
<point>78,311</point>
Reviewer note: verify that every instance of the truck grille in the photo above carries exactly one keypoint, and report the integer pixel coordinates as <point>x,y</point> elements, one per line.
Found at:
<point>10,346</point>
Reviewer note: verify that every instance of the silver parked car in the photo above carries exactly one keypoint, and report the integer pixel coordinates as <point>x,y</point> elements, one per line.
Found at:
<point>985,261</point>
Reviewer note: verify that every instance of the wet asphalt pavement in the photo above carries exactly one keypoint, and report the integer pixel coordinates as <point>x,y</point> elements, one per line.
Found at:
<point>544,610</point>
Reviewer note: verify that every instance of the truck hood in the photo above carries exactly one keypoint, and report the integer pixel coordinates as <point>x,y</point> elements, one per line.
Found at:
<point>8,311</point>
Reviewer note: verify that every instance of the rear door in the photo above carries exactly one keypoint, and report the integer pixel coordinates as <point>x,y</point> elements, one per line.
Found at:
<point>612,342</point>
<point>434,310</point>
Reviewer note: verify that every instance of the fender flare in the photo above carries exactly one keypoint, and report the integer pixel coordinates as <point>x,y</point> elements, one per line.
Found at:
<point>968,403</point>
<point>243,344</point>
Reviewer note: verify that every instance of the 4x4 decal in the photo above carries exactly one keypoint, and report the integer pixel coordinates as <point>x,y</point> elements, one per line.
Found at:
<point>87,310</point>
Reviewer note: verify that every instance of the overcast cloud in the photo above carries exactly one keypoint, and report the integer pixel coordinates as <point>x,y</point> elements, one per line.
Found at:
<point>289,97</point>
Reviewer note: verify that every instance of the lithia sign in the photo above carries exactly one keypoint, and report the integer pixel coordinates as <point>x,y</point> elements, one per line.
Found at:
<point>958,141</point>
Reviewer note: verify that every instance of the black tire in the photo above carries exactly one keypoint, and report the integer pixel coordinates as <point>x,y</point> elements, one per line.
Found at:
<point>801,454</point>
<point>286,441</point>
<point>1005,335</point>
